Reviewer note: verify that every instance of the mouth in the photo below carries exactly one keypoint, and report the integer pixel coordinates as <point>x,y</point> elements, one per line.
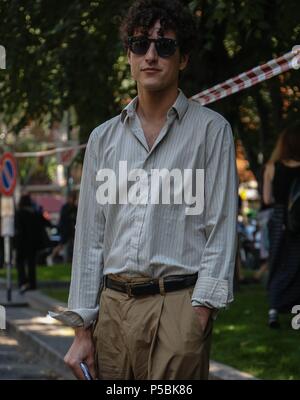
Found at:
<point>150,70</point>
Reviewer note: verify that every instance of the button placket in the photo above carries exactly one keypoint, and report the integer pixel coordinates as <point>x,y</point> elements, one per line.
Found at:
<point>141,259</point>
<point>139,211</point>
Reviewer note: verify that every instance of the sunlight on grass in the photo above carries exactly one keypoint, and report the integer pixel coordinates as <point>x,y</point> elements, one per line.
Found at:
<point>243,340</point>
<point>261,349</point>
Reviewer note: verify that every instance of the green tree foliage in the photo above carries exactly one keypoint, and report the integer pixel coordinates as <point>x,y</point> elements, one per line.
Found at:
<point>64,54</point>
<point>237,35</point>
<point>59,54</point>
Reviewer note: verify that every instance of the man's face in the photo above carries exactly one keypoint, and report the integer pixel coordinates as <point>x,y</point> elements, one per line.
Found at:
<point>152,72</point>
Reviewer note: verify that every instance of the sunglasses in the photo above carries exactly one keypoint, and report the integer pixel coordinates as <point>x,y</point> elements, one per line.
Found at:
<point>139,45</point>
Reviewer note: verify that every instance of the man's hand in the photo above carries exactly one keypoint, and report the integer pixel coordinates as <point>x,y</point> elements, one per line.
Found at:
<point>82,350</point>
<point>203,314</point>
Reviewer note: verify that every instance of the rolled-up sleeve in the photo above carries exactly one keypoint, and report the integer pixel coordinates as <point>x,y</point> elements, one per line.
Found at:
<point>87,265</point>
<point>214,286</point>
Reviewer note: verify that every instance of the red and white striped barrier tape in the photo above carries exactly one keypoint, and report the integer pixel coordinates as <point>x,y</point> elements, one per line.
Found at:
<point>48,152</point>
<point>243,81</point>
<point>250,78</point>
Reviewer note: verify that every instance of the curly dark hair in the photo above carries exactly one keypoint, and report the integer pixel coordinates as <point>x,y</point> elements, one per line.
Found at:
<point>172,16</point>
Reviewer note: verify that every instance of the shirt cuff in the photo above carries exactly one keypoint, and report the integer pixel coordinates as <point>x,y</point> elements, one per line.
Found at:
<point>79,317</point>
<point>211,293</point>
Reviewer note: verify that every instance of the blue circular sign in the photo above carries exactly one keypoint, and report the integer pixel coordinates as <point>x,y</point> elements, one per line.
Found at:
<point>8,174</point>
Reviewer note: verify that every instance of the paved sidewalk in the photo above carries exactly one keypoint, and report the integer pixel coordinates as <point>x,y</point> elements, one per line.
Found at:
<point>18,363</point>
<point>51,340</point>
<point>43,335</point>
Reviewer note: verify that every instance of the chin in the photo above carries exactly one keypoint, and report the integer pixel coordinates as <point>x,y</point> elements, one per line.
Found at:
<point>154,87</point>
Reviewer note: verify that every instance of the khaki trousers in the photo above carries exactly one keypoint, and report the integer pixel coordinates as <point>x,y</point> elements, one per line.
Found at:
<point>150,337</point>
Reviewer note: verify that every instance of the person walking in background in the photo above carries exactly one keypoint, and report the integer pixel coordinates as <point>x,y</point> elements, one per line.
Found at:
<point>29,238</point>
<point>66,227</point>
<point>281,179</point>
<point>263,219</point>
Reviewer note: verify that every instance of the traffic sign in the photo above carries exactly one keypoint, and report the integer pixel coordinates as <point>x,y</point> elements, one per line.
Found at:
<point>8,174</point>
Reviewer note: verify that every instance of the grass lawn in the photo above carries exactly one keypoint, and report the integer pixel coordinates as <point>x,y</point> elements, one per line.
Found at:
<point>243,340</point>
<point>58,272</point>
<point>59,294</point>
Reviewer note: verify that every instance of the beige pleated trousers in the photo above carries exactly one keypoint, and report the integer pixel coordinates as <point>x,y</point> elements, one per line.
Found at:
<point>150,337</point>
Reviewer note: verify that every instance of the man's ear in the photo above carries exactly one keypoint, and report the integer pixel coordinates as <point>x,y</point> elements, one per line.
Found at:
<point>184,59</point>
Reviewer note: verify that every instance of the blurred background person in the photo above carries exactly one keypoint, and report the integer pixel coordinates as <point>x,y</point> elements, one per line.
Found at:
<point>281,179</point>
<point>263,218</point>
<point>29,239</point>
<point>66,227</point>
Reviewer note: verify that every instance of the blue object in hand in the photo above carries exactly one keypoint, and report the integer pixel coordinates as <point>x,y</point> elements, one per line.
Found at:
<point>86,372</point>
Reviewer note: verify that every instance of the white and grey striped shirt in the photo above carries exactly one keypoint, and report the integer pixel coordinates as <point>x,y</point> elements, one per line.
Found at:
<point>157,240</point>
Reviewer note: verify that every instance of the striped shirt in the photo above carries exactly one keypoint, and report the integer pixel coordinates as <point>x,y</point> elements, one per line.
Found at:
<point>156,240</point>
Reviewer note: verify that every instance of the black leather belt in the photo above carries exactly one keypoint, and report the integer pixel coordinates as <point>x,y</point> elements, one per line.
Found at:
<point>155,286</point>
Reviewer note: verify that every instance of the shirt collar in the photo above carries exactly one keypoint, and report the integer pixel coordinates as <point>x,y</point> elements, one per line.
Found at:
<point>180,107</point>
<point>181,104</point>
<point>129,110</point>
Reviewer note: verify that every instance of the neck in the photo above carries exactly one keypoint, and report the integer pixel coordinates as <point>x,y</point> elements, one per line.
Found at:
<point>154,105</point>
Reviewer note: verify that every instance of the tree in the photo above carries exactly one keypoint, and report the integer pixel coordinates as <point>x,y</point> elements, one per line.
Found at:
<point>59,55</point>
<point>235,36</point>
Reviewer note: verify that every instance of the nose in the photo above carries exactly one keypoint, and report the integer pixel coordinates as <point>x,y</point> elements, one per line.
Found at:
<point>151,54</point>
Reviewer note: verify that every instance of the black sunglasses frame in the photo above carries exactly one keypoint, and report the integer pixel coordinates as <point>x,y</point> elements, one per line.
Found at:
<point>172,42</point>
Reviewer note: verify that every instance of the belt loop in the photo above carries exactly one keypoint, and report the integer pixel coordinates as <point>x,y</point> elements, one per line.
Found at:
<point>128,289</point>
<point>104,282</point>
<point>161,286</point>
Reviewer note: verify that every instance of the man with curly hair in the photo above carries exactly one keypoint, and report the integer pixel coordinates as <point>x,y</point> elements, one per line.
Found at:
<point>148,277</point>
